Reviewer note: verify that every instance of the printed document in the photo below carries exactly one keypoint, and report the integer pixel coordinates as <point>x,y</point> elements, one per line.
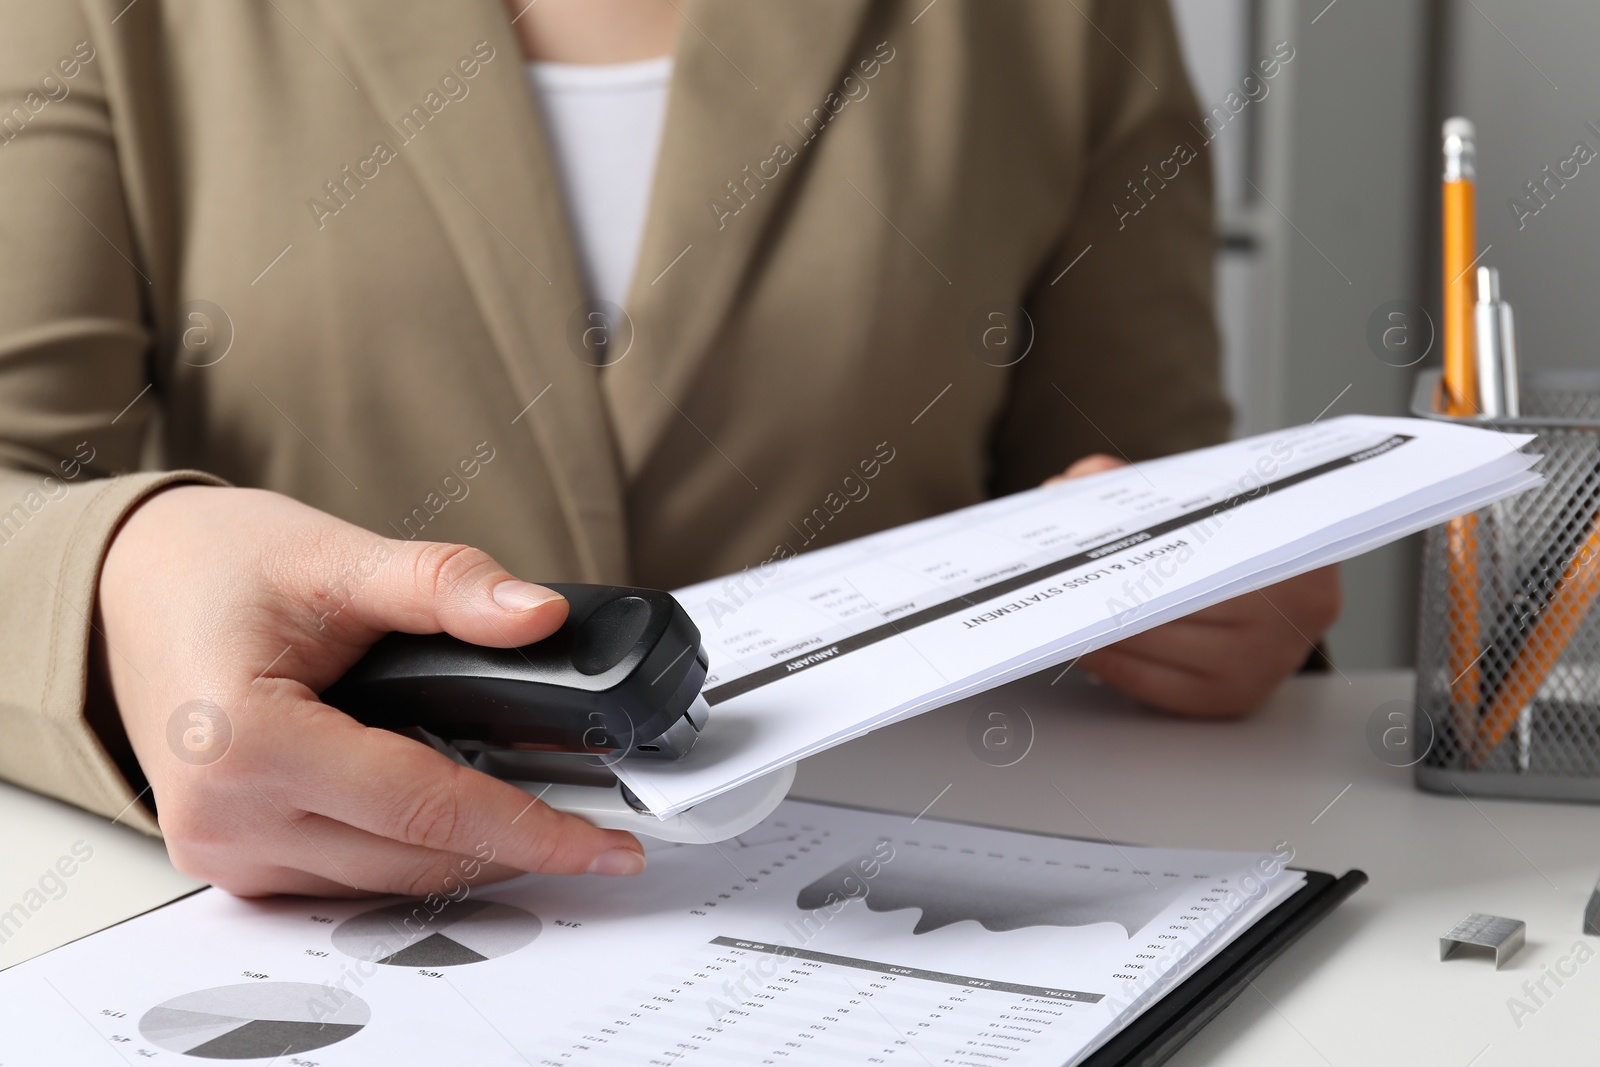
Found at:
<point>825,935</point>
<point>811,651</point>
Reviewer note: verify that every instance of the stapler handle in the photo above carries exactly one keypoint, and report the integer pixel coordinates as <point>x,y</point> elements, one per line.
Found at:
<point>622,670</point>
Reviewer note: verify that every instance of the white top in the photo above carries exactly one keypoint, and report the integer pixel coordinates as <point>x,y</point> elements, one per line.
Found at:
<point>604,123</point>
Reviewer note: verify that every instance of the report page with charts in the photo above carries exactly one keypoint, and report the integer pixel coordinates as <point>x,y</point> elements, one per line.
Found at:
<point>824,935</point>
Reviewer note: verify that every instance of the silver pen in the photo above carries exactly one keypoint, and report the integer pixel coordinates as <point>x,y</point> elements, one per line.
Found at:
<point>1498,395</point>
<point>1591,914</point>
<point>1509,374</point>
<point>1486,322</point>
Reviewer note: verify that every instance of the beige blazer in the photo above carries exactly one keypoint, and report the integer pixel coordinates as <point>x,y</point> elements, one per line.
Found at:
<point>899,257</point>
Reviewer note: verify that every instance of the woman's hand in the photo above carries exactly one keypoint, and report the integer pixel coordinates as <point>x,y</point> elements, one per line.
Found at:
<point>1225,659</point>
<point>224,613</point>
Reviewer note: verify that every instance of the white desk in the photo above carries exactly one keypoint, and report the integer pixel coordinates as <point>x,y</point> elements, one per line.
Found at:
<point>1364,987</point>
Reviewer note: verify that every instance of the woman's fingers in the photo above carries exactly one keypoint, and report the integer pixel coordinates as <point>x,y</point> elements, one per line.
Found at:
<point>307,800</point>
<point>428,587</point>
<point>1091,464</point>
<point>252,626</point>
<point>325,855</point>
<point>1169,687</point>
<point>271,881</point>
<point>400,789</point>
<point>1222,665</point>
<point>1202,647</point>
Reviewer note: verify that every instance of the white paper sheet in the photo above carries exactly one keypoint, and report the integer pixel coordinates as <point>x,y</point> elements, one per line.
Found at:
<point>814,650</point>
<point>825,935</point>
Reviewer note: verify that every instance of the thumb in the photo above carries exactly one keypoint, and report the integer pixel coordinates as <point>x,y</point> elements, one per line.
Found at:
<point>429,586</point>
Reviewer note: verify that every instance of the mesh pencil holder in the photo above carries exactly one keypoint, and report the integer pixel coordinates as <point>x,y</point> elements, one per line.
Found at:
<point>1508,650</point>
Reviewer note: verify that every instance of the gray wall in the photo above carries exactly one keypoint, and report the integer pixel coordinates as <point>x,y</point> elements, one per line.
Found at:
<point>1530,86</point>
<point>1325,200</point>
<point>1353,183</point>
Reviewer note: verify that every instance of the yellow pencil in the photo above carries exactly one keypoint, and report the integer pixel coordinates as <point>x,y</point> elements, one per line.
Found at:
<point>1466,675</point>
<point>1460,286</point>
<point>1461,399</point>
<point>1569,605</point>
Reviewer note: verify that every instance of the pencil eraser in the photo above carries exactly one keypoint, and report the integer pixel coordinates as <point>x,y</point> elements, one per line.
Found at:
<point>1460,127</point>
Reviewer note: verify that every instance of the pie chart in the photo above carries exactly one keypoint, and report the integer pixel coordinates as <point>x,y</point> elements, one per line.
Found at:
<point>410,935</point>
<point>256,1020</point>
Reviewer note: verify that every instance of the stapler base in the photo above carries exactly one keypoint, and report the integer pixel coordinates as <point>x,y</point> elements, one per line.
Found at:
<point>726,815</point>
<point>584,785</point>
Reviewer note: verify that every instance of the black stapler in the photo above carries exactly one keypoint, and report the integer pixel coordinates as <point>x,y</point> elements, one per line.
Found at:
<point>620,680</point>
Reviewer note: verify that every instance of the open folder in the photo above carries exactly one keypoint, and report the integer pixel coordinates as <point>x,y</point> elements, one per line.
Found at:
<point>813,650</point>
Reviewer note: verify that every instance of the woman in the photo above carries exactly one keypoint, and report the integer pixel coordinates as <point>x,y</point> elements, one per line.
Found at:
<point>306,298</point>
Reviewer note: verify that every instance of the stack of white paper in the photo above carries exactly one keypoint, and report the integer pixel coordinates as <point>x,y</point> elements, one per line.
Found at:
<point>817,649</point>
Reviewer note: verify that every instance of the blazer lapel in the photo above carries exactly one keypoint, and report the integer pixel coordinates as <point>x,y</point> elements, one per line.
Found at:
<point>484,164</point>
<point>745,78</point>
